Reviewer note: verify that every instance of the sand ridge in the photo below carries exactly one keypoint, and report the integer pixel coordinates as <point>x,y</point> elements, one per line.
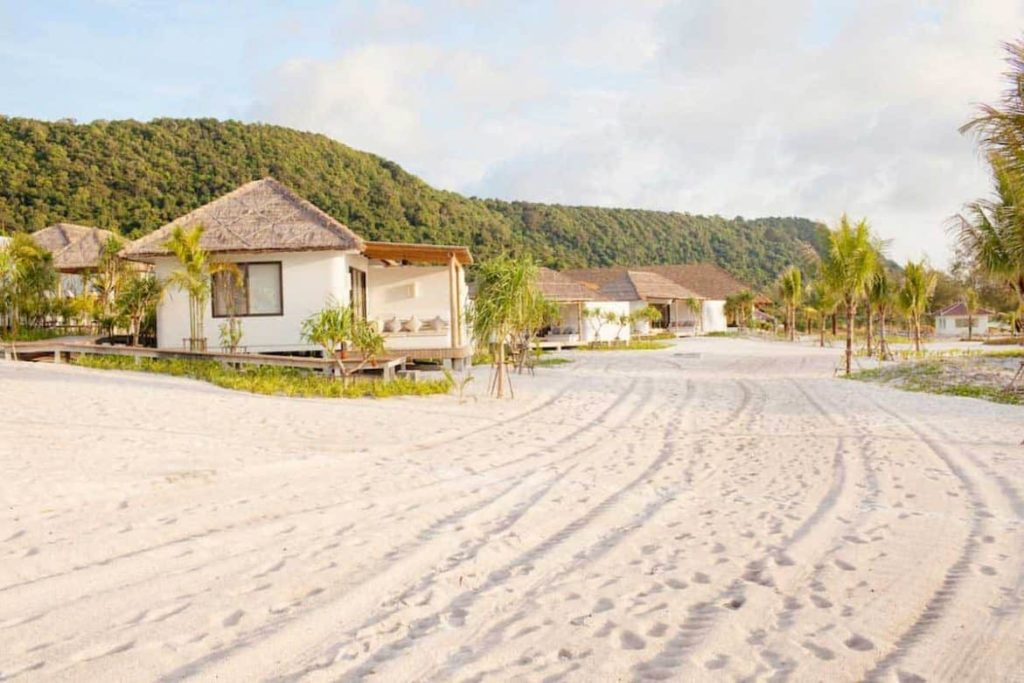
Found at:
<point>720,510</point>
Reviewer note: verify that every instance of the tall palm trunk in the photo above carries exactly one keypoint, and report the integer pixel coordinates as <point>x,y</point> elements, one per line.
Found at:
<point>850,310</point>
<point>870,339</point>
<point>835,326</point>
<point>917,334</point>
<point>821,338</point>
<point>499,380</point>
<point>883,346</point>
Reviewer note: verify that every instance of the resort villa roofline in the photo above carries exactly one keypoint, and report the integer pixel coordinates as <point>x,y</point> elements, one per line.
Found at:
<point>644,285</point>
<point>76,251</point>
<point>294,259</point>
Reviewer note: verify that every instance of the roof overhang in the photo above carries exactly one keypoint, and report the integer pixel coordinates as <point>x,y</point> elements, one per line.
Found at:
<point>397,252</point>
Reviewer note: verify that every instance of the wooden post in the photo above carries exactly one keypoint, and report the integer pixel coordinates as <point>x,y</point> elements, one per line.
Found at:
<point>453,295</point>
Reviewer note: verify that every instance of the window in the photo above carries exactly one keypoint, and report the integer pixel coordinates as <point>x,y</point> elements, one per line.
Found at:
<point>357,292</point>
<point>258,293</point>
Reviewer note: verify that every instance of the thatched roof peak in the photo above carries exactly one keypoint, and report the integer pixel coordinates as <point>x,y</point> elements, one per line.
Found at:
<point>74,247</point>
<point>557,287</point>
<point>263,215</point>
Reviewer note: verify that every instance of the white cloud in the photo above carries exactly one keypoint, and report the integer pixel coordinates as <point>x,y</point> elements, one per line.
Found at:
<point>791,107</point>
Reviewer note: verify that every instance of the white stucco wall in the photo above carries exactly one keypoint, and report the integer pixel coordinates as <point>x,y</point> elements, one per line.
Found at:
<point>714,316</point>
<point>946,325</point>
<point>607,331</point>
<point>308,280</point>
<point>421,291</point>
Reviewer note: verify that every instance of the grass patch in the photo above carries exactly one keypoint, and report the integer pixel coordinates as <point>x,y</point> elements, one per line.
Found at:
<point>272,381</point>
<point>721,333</point>
<point>32,334</point>
<point>1003,341</point>
<point>632,345</point>
<point>938,376</point>
<point>549,362</point>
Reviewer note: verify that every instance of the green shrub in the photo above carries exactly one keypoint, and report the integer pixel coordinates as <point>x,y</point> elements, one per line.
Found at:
<point>270,380</point>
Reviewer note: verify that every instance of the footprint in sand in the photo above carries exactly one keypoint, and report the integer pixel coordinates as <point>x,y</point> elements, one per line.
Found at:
<point>233,618</point>
<point>603,605</point>
<point>701,577</point>
<point>859,643</point>
<point>719,662</point>
<point>845,566</point>
<point>821,602</point>
<point>676,584</point>
<point>658,630</point>
<point>631,641</point>
<point>820,652</point>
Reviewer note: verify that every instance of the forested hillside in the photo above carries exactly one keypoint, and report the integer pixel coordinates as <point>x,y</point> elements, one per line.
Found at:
<point>132,177</point>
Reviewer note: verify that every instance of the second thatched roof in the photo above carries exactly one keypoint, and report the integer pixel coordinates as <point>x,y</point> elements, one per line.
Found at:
<point>638,285</point>
<point>263,215</point>
<point>74,247</point>
<point>557,287</point>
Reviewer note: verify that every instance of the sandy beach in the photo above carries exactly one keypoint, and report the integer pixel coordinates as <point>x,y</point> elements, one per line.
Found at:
<point>719,510</point>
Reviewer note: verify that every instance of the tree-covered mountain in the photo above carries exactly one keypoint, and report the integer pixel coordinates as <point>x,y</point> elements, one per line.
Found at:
<point>133,177</point>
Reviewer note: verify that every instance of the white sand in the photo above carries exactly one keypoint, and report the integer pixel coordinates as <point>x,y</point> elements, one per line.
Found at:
<point>651,515</point>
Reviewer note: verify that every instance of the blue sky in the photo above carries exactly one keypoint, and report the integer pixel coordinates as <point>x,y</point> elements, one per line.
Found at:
<point>791,107</point>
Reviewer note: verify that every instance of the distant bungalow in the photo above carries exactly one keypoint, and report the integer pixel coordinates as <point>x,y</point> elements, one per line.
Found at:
<point>76,251</point>
<point>668,288</point>
<point>294,259</point>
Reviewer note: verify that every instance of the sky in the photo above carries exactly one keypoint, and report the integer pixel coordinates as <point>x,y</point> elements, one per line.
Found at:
<point>733,107</point>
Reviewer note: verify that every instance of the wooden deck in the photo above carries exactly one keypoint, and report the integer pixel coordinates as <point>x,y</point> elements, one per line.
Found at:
<point>387,365</point>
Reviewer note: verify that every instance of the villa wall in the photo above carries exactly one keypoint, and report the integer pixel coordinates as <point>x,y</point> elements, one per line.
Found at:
<point>607,332</point>
<point>308,280</point>
<point>956,326</point>
<point>714,316</point>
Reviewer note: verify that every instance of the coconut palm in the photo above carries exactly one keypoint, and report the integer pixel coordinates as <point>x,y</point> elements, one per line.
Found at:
<point>991,231</point>
<point>194,278</point>
<point>847,268</point>
<point>26,280</point>
<point>791,292</point>
<point>914,296</point>
<point>105,282</point>
<point>824,304</point>
<point>696,308</point>
<point>138,296</point>
<point>881,298</point>
<point>971,305</point>
<point>505,295</point>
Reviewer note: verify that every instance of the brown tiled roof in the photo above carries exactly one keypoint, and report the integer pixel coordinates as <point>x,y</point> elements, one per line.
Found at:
<point>74,247</point>
<point>263,215</point>
<point>960,309</point>
<point>558,287</point>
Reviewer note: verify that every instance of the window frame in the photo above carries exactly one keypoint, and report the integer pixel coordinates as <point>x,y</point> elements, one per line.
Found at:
<point>244,267</point>
<point>364,290</point>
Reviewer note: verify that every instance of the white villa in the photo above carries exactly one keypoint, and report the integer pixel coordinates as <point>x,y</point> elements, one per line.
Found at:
<point>704,281</point>
<point>294,260</point>
<point>952,321</point>
<point>635,289</point>
<point>581,309</point>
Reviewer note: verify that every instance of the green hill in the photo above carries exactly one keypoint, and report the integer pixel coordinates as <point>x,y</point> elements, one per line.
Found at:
<point>132,177</point>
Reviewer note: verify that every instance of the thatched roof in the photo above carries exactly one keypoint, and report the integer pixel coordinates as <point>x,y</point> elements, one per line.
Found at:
<point>638,285</point>
<point>619,283</point>
<point>706,279</point>
<point>74,247</point>
<point>557,287</point>
<point>263,215</point>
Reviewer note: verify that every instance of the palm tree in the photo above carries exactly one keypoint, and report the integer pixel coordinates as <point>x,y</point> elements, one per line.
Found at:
<point>26,280</point>
<point>505,294</point>
<point>991,231</point>
<point>825,302</point>
<point>847,268</point>
<point>335,326</point>
<point>791,292</point>
<point>194,278</point>
<point>138,296</point>
<point>881,297</point>
<point>105,282</point>
<point>914,296</point>
<point>971,304</point>
<point>696,307</point>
